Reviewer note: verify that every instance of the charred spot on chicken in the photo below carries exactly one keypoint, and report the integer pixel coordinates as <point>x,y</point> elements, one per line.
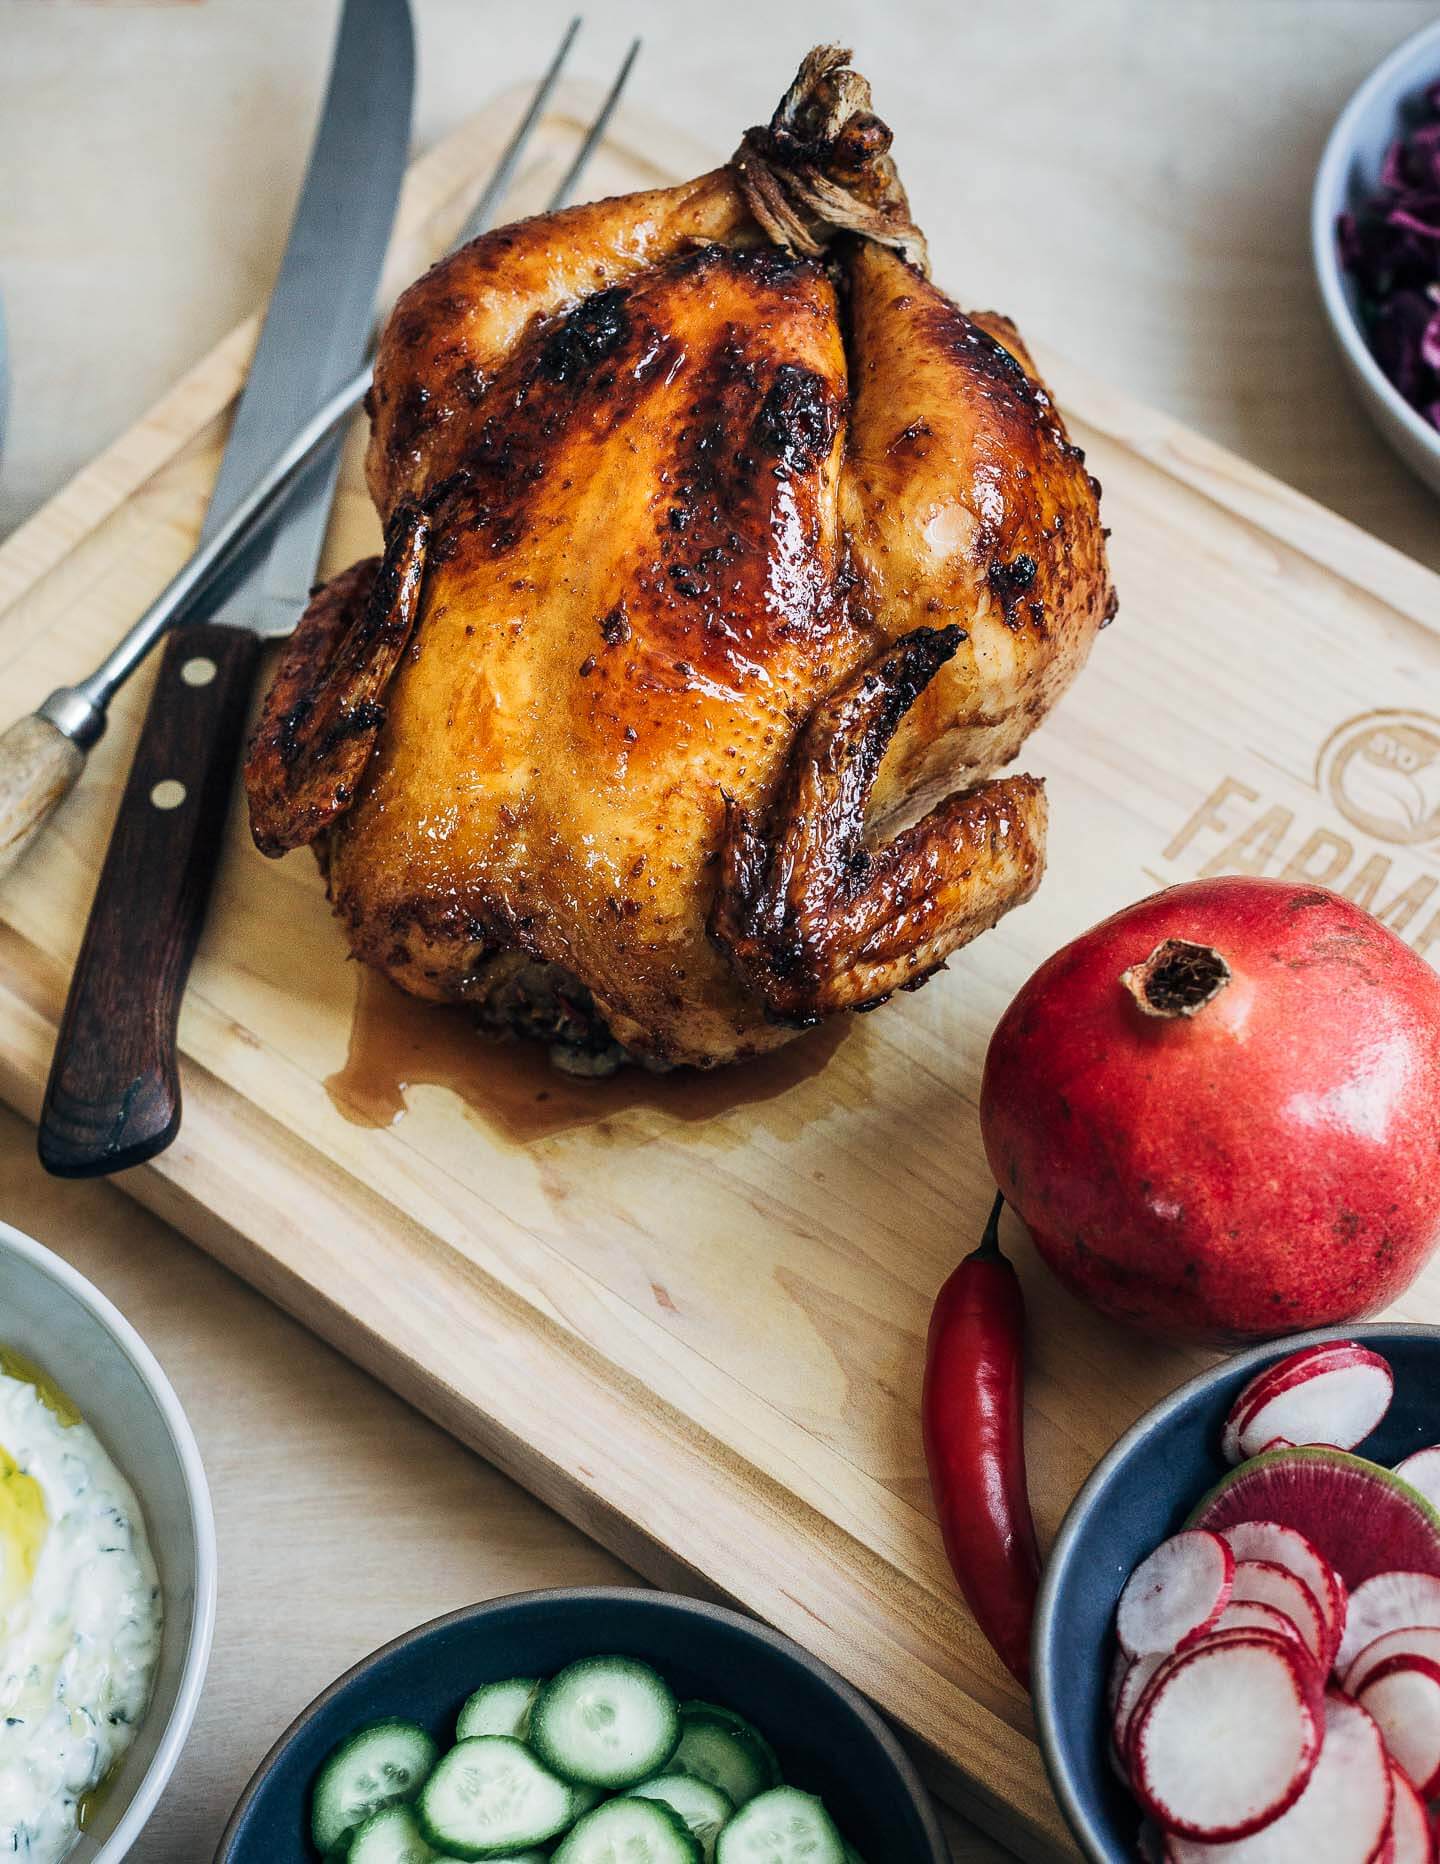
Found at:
<point>727,562</point>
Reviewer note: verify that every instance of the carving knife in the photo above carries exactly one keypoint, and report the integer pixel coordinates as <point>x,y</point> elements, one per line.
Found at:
<point>113,1098</point>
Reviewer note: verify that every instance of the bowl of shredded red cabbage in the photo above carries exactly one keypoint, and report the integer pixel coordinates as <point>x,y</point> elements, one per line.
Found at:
<point>1390,248</point>
<point>1376,236</point>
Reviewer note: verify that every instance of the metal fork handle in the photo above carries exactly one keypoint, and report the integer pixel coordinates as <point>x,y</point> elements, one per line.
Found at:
<point>79,711</point>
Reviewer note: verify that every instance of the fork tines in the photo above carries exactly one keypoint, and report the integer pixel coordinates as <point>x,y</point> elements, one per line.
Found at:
<point>486,209</point>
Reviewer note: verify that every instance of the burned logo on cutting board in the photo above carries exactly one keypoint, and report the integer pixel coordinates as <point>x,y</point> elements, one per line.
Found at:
<point>1382,771</point>
<point>1367,823</point>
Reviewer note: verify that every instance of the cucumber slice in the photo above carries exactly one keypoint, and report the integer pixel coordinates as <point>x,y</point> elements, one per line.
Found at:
<point>721,1748</point>
<point>498,1709</point>
<point>703,1807</point>
<point>390,1836</point>
<point>720,1713</point>
<point>584,1799</point>
<point>605,1721</point>
<point>717,1712</point>
<point>782,1826</point>
<point>629,1831</point>
<point>381,1764</point>
<point>489,1797</point>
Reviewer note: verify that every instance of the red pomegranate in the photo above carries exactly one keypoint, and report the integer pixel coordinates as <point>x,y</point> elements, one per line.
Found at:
<point>1218,1112</point>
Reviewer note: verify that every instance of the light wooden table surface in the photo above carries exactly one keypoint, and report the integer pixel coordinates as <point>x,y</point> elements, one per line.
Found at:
<point>1127,177</point>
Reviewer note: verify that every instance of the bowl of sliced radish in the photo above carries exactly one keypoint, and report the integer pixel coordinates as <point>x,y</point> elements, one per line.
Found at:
<point>586,1726</point>
<point>1237,1646</point>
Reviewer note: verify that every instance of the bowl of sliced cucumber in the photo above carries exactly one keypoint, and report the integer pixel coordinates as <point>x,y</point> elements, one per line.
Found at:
<point>584,1726</point>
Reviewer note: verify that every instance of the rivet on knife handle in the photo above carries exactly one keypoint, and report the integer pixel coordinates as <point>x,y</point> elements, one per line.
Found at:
<point>113,1097</point>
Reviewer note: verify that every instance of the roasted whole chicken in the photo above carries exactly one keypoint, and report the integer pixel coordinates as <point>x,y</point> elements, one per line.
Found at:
<point>726,561</point>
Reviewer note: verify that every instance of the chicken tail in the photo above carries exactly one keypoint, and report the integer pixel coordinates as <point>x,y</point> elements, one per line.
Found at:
<point>815,919</point>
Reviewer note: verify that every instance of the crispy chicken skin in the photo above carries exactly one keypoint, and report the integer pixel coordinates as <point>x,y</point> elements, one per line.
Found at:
<point>726,561</point>
<point>964,504</point>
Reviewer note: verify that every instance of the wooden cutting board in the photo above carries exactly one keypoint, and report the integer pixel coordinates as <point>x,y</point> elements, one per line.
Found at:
<point>691,1315</point>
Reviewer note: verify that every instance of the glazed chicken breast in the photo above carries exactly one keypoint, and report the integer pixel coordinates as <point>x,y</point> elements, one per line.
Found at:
<point>726,563</point>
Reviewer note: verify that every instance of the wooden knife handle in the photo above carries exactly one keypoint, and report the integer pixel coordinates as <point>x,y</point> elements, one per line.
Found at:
<point>38,768</point>
<point>113,1097</point>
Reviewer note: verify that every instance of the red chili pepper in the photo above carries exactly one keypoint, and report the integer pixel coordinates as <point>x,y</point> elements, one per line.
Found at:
<point>974,1422</point>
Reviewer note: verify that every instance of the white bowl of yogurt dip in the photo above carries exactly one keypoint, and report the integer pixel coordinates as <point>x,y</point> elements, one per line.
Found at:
<point>107,1568</point>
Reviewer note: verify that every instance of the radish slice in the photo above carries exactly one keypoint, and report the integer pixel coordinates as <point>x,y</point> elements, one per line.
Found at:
<point>1254,1615</point>
<point>1285,1546</point>
<point>1265,1582</point>
<point>1293,1372</point>
<point>1410,1832</point>
<point>1175,1594</point>
<point>1291,1645</point>
<point>1133,1684</point>
<point>1150,1843</point>
<point>1226,1737</point>
<point>1403,1697</point>
<point>1412,1641</point>
<point>1343,1815</point>
<point>1364,1519</point>
<point>1422,1471</point>
<point>1337,1401</point>
<point>1119,1670</point>
<point>1388,1602</point>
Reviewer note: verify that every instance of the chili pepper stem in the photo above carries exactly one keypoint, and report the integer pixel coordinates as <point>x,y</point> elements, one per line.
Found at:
<point>989,1248</point>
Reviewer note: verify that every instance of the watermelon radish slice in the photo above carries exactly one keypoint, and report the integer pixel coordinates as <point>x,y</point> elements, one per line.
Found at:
<point>1403,1698</point>
<point>1323,1391</point>
<point>1388,1602</point>
<point>1413,1641</point>
<point>1226,1737</point>
<point>1283,1546</point>
<point>1410,1832</point>
<point>1176,1593</point>
<point>1343,1815</point>
<point>1264,1582</point>
<point>1335,1397</point>
<point>1361,1518</point>
<point>1422,1472</point>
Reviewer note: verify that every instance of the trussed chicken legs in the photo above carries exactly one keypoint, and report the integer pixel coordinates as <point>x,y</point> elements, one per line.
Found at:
<point>726,560</point>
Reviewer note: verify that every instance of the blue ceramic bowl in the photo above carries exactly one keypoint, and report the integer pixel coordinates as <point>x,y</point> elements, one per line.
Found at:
<point>830,1741</point>
<point>1143,1491</point>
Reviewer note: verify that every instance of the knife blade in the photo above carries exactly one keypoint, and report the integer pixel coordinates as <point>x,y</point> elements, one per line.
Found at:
<point>113,1097</point>
<point>333,257</point>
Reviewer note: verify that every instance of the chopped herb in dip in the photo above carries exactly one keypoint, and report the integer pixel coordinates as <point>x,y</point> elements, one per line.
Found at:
<point>80,1617</point>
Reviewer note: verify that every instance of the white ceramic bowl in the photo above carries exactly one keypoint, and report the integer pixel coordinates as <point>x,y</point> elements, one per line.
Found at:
<point>56,1319</point>
<point>1347,178</point>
